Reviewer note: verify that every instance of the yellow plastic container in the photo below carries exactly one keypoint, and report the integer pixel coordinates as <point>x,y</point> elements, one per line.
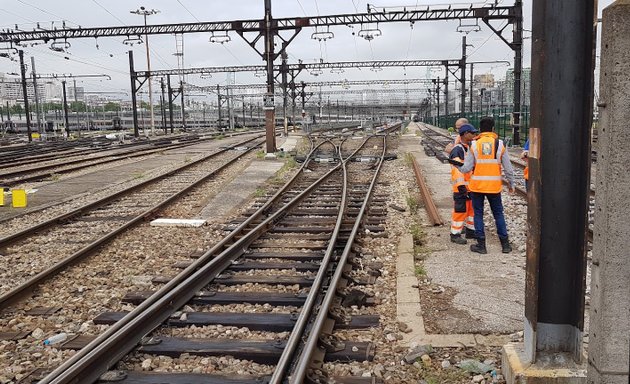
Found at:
<point>1,197</point>
<point>19,198</point>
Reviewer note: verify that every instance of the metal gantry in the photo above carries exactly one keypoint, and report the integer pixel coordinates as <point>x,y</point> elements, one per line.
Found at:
<point>491,12</point>
<point>341,83</point>
<point>268,29</point>
<point>139,77</point>
<point>302,66</point>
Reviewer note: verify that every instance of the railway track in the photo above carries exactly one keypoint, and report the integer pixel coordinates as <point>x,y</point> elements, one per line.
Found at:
<point>80,159</point>
<point>39,151</point>
<point>35,152</point>
<point>298,241</point>
<point>80,231</point>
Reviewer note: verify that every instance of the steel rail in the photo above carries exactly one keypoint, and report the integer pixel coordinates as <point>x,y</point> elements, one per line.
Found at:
<point>34,209</point>
<point>9,239</point>
<point>103,352</point>
<point>104,160</point>
<point>55,150</point>
<point>28,286</point>
<point>44,152</point>
<point>302,364</point>
<point>71,150</point>
<point>429,203</point>
<point>304,317</point>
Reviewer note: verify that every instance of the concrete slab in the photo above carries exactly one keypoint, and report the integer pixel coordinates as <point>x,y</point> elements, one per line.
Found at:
<point>554,368</point>
<point>163,222</point>
<point>240,189</point>
<point>290,143</point>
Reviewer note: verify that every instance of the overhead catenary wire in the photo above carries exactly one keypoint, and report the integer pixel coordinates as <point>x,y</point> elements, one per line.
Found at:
<point>109,54</point>
<point>157,55</point>
<point>107,10</point>
<point>197,19</point>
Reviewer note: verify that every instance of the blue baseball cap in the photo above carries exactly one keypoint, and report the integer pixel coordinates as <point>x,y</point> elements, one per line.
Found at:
<point>467,128</point>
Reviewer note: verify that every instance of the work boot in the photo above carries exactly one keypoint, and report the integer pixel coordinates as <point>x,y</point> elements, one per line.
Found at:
<point>470,233</point>
<point>458,239</point>
<point>480,247</point>
<point>505,245</point>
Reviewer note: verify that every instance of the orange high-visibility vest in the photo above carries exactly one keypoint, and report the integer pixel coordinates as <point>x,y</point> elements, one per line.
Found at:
<point>526,173</point>
<point>486,177</point>
<point>458,178</point>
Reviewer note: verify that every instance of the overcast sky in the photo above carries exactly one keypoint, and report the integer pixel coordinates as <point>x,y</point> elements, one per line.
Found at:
<point>399,41</point>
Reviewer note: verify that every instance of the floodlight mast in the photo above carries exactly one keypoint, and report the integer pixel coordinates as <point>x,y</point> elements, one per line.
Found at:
<point>144,13</point>
<point>269,103</point>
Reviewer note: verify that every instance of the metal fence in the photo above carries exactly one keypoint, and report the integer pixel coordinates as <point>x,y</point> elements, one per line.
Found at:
<point>502,121</point>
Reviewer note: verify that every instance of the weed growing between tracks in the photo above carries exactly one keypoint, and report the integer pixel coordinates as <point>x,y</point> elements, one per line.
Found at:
<point>420,271</point>
<point>434,376</point>
<point>408,159</point>
<point>260,192</point>
<point>288,166</point>
<point>302,146</point>
<point>413,203</point>
<point>54,177</point>
<point>419,236</point>
<point>420,249</point>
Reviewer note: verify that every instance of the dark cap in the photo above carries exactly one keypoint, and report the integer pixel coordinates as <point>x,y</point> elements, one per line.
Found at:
<point>467,128</point>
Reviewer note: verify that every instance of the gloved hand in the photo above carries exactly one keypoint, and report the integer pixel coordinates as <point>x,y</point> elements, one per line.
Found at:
<point>463,190</point>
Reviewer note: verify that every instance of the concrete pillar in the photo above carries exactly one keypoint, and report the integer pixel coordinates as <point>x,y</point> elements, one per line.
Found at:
<point>609,347</point>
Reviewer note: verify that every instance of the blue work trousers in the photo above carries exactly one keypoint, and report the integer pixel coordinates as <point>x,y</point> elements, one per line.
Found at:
<point>497,211</point>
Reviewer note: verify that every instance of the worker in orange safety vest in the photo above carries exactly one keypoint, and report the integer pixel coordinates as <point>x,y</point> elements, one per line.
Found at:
<point>487,159</point>
<point>458,124</point>
<point>462,215</point>
<point>525,157</point>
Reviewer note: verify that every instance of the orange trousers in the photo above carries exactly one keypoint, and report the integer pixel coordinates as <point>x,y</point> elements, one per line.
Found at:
<point>461,219</point>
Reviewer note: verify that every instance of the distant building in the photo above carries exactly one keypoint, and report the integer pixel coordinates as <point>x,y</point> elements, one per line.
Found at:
<point>11,90</point>
<point>53,91</point>
<point>525,85</point>
<point>47,91</point>
<point>70,93</point>
<point>485,80</point>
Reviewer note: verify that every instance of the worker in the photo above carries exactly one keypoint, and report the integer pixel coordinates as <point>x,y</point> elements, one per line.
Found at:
<point>462,215</point>
<point>486,159</point>
<point>458,124</point>
<point>525,158</point>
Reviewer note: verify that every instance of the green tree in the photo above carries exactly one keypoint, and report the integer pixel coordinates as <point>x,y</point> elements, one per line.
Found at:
<point>17,109</point>
<point>112,107</point>
<point>77,106</point>
<point>53,107</point>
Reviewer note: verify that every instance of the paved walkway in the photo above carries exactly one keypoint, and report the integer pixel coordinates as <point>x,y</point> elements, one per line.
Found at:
<point>488,288</point>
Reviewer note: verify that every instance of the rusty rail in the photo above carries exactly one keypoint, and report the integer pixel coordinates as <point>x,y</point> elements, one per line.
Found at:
<point>429,204</point>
